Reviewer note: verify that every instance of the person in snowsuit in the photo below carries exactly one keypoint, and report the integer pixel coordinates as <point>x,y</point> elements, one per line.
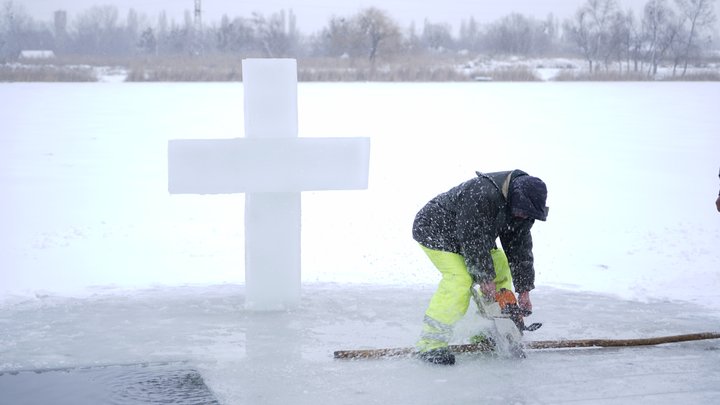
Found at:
<point>458,230</point>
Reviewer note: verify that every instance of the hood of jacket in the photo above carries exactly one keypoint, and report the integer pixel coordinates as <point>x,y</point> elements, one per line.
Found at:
<point>526,195</point>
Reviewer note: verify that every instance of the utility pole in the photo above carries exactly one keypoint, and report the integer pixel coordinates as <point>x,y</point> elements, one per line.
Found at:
<point>198,16</point>
<point>197,35</point>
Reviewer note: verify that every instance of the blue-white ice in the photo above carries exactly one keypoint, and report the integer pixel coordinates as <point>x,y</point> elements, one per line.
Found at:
<point>95,253</point>
<point>280,358</point>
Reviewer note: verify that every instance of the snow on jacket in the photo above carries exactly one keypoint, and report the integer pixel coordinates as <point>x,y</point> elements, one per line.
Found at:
<point>469,218</point>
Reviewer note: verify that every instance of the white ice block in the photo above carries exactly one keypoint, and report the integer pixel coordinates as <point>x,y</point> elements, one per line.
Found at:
<point>272,165</point>
<point>272,252</point>
<point>242,165</point>
<point>270,97</point>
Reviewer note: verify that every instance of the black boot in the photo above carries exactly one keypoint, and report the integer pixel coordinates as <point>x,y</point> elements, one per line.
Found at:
<point>438,356</point>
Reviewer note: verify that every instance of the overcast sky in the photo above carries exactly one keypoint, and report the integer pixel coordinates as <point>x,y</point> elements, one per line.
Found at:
<point>312,15</point>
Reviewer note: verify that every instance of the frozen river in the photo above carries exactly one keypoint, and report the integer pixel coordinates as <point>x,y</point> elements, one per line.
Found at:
<point>100,266</point>
<point>281,358</point>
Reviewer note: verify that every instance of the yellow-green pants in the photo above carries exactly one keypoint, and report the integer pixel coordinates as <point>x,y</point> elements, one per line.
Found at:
<point>452,297</point>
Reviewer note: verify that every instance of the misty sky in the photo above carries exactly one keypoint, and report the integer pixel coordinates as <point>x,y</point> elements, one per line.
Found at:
<point>312,15</point>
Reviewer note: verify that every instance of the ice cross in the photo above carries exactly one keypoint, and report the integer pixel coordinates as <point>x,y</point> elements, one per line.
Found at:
<point>272,165</point>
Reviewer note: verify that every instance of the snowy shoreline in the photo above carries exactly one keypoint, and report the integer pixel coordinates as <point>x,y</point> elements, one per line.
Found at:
<point>478,69</point>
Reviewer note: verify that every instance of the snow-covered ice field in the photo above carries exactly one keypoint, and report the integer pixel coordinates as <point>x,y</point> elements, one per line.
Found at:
<point>281,358</point>
<point>99,265</point>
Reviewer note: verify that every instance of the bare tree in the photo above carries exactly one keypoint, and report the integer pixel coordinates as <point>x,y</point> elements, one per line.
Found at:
<point>337,39</point>
<point>700,15</point>
<point>12,20</point>
<point>632,42</point>
<point>161,33</point>
<point>579,31</point>
<point>520,35</point>
<point>235,35</point>
<point>277,34</point>
<point>469,34</point>
<point>437,36</point>
<point>18,31</point>
<point>132,26</point>
<point>511,34</point>
<point>147,44</point>
<point>614,46</point>
<point>594,30</point>
<point>376,29</point>
<point>411,40</point>
<point>97,31</point>
<point>604,16</point>
<point>660,30</point>
<point>551,32</point>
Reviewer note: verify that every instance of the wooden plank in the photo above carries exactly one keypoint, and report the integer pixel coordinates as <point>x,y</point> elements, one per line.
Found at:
<point>538,345</point>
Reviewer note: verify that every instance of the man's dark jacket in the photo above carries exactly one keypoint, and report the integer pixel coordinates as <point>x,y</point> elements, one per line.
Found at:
<point>469,218</point>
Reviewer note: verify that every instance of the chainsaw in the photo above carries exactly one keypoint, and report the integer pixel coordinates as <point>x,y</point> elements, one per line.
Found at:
<point>507,319</point>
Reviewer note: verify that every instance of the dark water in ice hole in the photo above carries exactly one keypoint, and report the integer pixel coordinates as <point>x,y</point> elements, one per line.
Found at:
<point>167,383</point>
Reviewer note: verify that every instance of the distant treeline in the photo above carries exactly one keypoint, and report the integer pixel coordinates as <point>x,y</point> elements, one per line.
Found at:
<point>677,32</point>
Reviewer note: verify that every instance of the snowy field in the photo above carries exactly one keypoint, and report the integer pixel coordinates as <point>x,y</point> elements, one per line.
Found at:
<point>99,265</point>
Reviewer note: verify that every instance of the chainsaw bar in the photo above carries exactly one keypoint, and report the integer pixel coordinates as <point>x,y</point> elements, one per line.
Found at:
<point>508,327</point>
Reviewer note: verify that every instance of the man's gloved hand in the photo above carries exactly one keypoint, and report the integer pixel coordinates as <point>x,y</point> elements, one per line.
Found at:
<point>509,306</point>
<point>516,309</point>
<point>487,288</point>
<point>717,203</point>
<point>524,301</point>
<point>506,299</point>
<point>508,303</point>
